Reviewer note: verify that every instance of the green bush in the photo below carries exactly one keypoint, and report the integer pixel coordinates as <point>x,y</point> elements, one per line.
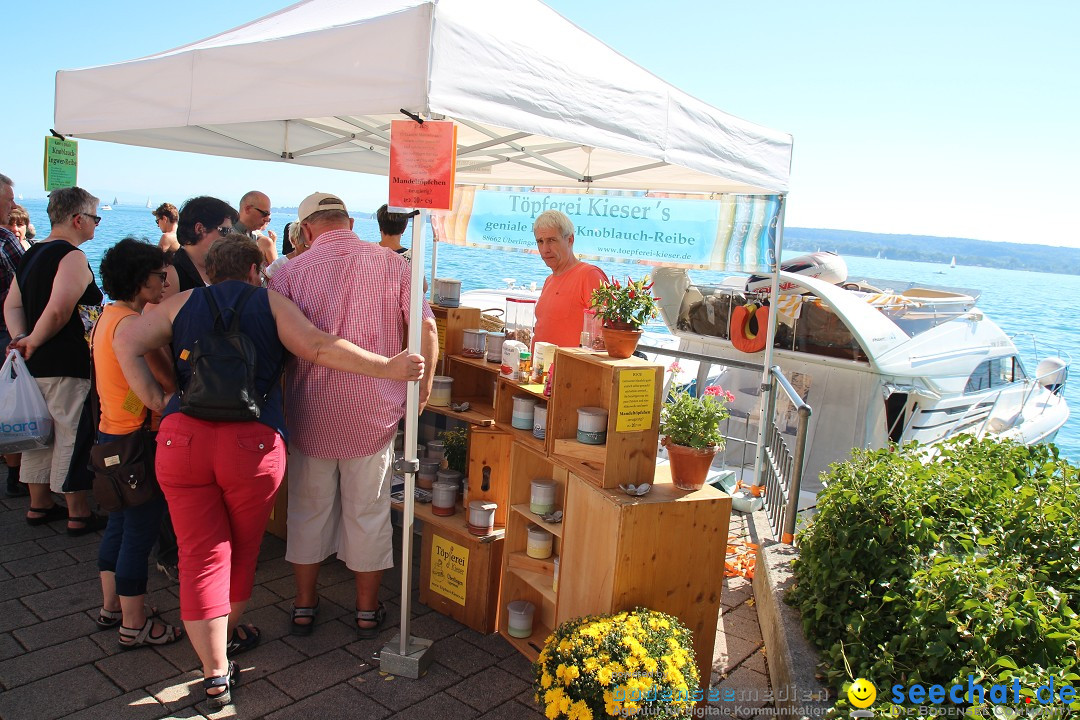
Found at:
<point>928,572</point>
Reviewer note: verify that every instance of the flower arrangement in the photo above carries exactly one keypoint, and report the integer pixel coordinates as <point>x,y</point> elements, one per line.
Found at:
<point>694,421</point>
<point>625,307</point>
<point>623,664</point>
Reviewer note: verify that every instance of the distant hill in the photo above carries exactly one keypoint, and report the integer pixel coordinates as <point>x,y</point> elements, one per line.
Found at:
<point>926,248</point>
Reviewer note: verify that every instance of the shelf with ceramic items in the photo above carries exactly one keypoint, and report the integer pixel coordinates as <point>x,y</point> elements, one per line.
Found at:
<point>459,571</point>
<point>517,400</point>
<point>664,550</point>
<point>474,382</point>
<point>628,391</point>
<point>528,565</point>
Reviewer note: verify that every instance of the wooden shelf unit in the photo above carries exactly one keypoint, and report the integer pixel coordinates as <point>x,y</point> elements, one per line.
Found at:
<point>585,379</point>
<point>504,411</point>
<point>452,323</point>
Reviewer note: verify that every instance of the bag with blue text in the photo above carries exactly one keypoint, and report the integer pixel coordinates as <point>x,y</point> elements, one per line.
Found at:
<point>25,422</point>
<point>222,382</point>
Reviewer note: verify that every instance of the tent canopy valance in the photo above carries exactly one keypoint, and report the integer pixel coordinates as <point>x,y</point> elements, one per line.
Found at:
<point>537,100</point>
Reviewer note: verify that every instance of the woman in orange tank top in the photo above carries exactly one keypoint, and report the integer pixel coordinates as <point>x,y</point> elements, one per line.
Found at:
<point>133,274</point>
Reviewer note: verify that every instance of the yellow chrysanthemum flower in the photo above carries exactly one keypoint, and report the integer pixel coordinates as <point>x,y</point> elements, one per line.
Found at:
<point>580,711</point>
<point>546,680</point>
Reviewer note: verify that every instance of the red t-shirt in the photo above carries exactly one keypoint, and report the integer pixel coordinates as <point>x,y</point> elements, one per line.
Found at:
<point>563,301</point>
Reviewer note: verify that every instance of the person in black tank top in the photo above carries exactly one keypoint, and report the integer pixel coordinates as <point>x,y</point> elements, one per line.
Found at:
<point>203,221</point>
<point>56,272</point>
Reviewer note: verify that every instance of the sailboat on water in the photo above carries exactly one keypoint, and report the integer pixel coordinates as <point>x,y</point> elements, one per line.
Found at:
<point>953,263</point>
<point>148,205</point>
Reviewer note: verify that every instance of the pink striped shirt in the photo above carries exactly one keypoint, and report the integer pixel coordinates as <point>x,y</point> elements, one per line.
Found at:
<point>358,291</point>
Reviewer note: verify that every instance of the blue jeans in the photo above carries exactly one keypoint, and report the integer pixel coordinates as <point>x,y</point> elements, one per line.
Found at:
<point>129,536</point>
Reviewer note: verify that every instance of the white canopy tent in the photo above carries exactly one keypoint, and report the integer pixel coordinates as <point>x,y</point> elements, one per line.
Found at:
<point>537,101</point>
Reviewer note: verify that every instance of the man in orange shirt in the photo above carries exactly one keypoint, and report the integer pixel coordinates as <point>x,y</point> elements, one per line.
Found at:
<point>568,292</point>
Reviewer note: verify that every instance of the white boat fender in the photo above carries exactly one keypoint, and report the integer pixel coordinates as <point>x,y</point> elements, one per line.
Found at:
<point>1052,373</point>
<point>826,266</point>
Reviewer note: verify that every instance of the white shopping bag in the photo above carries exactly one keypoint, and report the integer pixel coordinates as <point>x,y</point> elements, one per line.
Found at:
<point>25,423</point>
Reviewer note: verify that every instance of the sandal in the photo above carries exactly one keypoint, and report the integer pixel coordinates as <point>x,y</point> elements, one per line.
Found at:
<point>90,523</point>
<point>377,616</point>
<point>131,638</point>
<point>223,698</point>
<point>308,615</point>
<point>244,638</point>
<point>108,619</point>
<point>56,512</point>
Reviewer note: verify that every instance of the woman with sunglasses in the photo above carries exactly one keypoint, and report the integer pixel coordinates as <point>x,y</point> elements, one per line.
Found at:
<point>203,221</point>
<point>133,274</point>
<point>49,310</point>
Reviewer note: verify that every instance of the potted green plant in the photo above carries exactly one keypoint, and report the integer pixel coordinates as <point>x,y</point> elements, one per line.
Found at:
<point>624,309</point>
<point>691,429</point>
<point>457,443</point>
<point>629,663</point>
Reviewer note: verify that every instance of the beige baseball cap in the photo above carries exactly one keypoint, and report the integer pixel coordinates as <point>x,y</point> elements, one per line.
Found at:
<point>316,202</point>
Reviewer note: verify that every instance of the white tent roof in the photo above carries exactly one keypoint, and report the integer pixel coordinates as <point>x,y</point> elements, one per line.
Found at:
<point>538,101</point>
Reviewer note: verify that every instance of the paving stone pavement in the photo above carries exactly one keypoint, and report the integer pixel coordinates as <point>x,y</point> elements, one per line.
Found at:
<point>56,663</point>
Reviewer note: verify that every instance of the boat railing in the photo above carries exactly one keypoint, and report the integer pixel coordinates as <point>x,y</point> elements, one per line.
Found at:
<point>1033,385</point>
<point>784,454</point>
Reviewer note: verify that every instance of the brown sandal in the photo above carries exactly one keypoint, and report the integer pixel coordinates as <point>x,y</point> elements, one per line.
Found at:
<point>131,638</point>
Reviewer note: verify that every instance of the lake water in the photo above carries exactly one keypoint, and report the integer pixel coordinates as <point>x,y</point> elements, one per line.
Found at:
<point>1009,297</point>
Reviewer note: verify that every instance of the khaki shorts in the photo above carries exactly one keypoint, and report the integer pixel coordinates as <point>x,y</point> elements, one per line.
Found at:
<point>343,507</point>
<point>64,396</point>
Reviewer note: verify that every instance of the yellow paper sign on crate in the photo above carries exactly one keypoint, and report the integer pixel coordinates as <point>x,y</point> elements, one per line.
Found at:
<point>440,324</point>
<point>636,390</point>
<point>449,569</point>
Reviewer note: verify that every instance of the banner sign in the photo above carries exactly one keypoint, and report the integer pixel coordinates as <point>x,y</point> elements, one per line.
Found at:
<point>61,163</point>
<point>733,232</point>
<point>422,164</point>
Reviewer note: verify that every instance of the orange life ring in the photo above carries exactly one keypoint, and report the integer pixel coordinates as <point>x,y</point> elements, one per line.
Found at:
<point>741,336</point>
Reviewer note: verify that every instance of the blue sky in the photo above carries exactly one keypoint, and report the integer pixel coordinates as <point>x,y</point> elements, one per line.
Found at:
<point>938,118</point>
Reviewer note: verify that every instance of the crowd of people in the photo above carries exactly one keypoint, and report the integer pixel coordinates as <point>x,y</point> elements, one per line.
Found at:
<point>342,376</point>
<point>331,386</point>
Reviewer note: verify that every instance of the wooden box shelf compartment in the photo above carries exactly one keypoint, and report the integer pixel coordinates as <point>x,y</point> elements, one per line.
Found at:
<point>489,470</point>
<point>452,324</point>
<point>630,391</point>
<point>504,411</point>
<point>459,572</point>
<point>474,383</point>
<point>664,551</point>
<point>524,577</point>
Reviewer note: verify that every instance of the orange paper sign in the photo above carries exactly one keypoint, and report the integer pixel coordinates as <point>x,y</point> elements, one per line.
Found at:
<point>422,163</point>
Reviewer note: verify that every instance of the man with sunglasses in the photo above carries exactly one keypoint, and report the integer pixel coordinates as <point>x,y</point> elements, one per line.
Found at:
<point>254,221</point>
<point>54,290</point>
<point>203,221</point>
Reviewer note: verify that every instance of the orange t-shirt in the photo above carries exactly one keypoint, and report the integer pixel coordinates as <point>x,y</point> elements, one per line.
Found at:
<point>121,410</point>
<point>562,304</point>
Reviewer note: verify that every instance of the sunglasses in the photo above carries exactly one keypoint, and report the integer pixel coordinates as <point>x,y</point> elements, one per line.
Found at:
<point>95,218</point>
<point>224,230</point>
<point>164,275</point>
<point>264,213</point>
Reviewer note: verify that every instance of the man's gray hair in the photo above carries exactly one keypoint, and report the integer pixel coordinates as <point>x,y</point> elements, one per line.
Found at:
<point>5,180</point>
<point>67,202</point>
<point>554,219</point>
<point>326,216</point>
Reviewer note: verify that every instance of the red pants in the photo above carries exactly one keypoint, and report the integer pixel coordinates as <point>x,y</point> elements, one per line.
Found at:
<point>220,479</point>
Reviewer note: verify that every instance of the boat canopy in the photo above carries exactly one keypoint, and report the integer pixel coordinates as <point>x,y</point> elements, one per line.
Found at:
<point>537,100</point>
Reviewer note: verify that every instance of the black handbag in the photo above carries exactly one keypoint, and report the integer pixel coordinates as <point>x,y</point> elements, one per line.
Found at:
<point>123,468</point>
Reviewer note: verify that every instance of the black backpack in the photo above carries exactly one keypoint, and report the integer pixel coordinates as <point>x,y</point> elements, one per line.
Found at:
<point>222,383</point>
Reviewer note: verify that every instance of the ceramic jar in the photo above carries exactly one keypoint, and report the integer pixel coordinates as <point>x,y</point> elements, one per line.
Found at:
<point>592,425</point>
<point>494,343</point>
<point>473,344</point>
<point>448,292</point>
<point>436,450</point>
<point>540,421</point>
<point>520,618</point>
<point>425,478</point>
<point>542,496</point>
<point>440,391</point>
<point>538,544</point>
<point>444,497</point>
<point>524,408</point>
<point>481,517</point>
<point>450,476</point>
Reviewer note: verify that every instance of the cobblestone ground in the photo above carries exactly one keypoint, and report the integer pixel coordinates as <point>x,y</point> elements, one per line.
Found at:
<point>56,663</point>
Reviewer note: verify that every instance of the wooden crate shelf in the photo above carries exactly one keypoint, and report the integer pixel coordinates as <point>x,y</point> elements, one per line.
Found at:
<point>630,391</point>
<point>523,509</point>
<point>452,323</point>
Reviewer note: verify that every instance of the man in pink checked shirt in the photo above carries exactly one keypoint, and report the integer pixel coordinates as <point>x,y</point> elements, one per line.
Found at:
<point>342,427</point>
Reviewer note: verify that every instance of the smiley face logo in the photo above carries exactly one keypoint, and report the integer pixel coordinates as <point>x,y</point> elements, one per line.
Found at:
<point>862,693</point>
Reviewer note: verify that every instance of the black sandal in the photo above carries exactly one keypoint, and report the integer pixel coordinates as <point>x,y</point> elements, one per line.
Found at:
<point>56,512</point>
<point>108,619</point>
<point>377,616</point>
<point>228,681</point>
<point>241,644</point>
<point>90,523</point>
<point>131,638</point>
<point>303,629</point>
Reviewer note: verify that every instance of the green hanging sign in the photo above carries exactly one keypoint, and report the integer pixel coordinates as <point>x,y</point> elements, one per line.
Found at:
<point>61,163</point>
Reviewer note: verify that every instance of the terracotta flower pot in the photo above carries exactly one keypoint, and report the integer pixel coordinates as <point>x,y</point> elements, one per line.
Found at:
<point>621,343</point>
<point>689,466</point>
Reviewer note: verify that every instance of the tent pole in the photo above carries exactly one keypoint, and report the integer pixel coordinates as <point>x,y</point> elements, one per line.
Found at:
<point>406,655</point>
<point>766,381</point>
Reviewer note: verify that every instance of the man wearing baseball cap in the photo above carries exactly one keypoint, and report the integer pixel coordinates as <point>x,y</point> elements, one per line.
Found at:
<point>342,426</point>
